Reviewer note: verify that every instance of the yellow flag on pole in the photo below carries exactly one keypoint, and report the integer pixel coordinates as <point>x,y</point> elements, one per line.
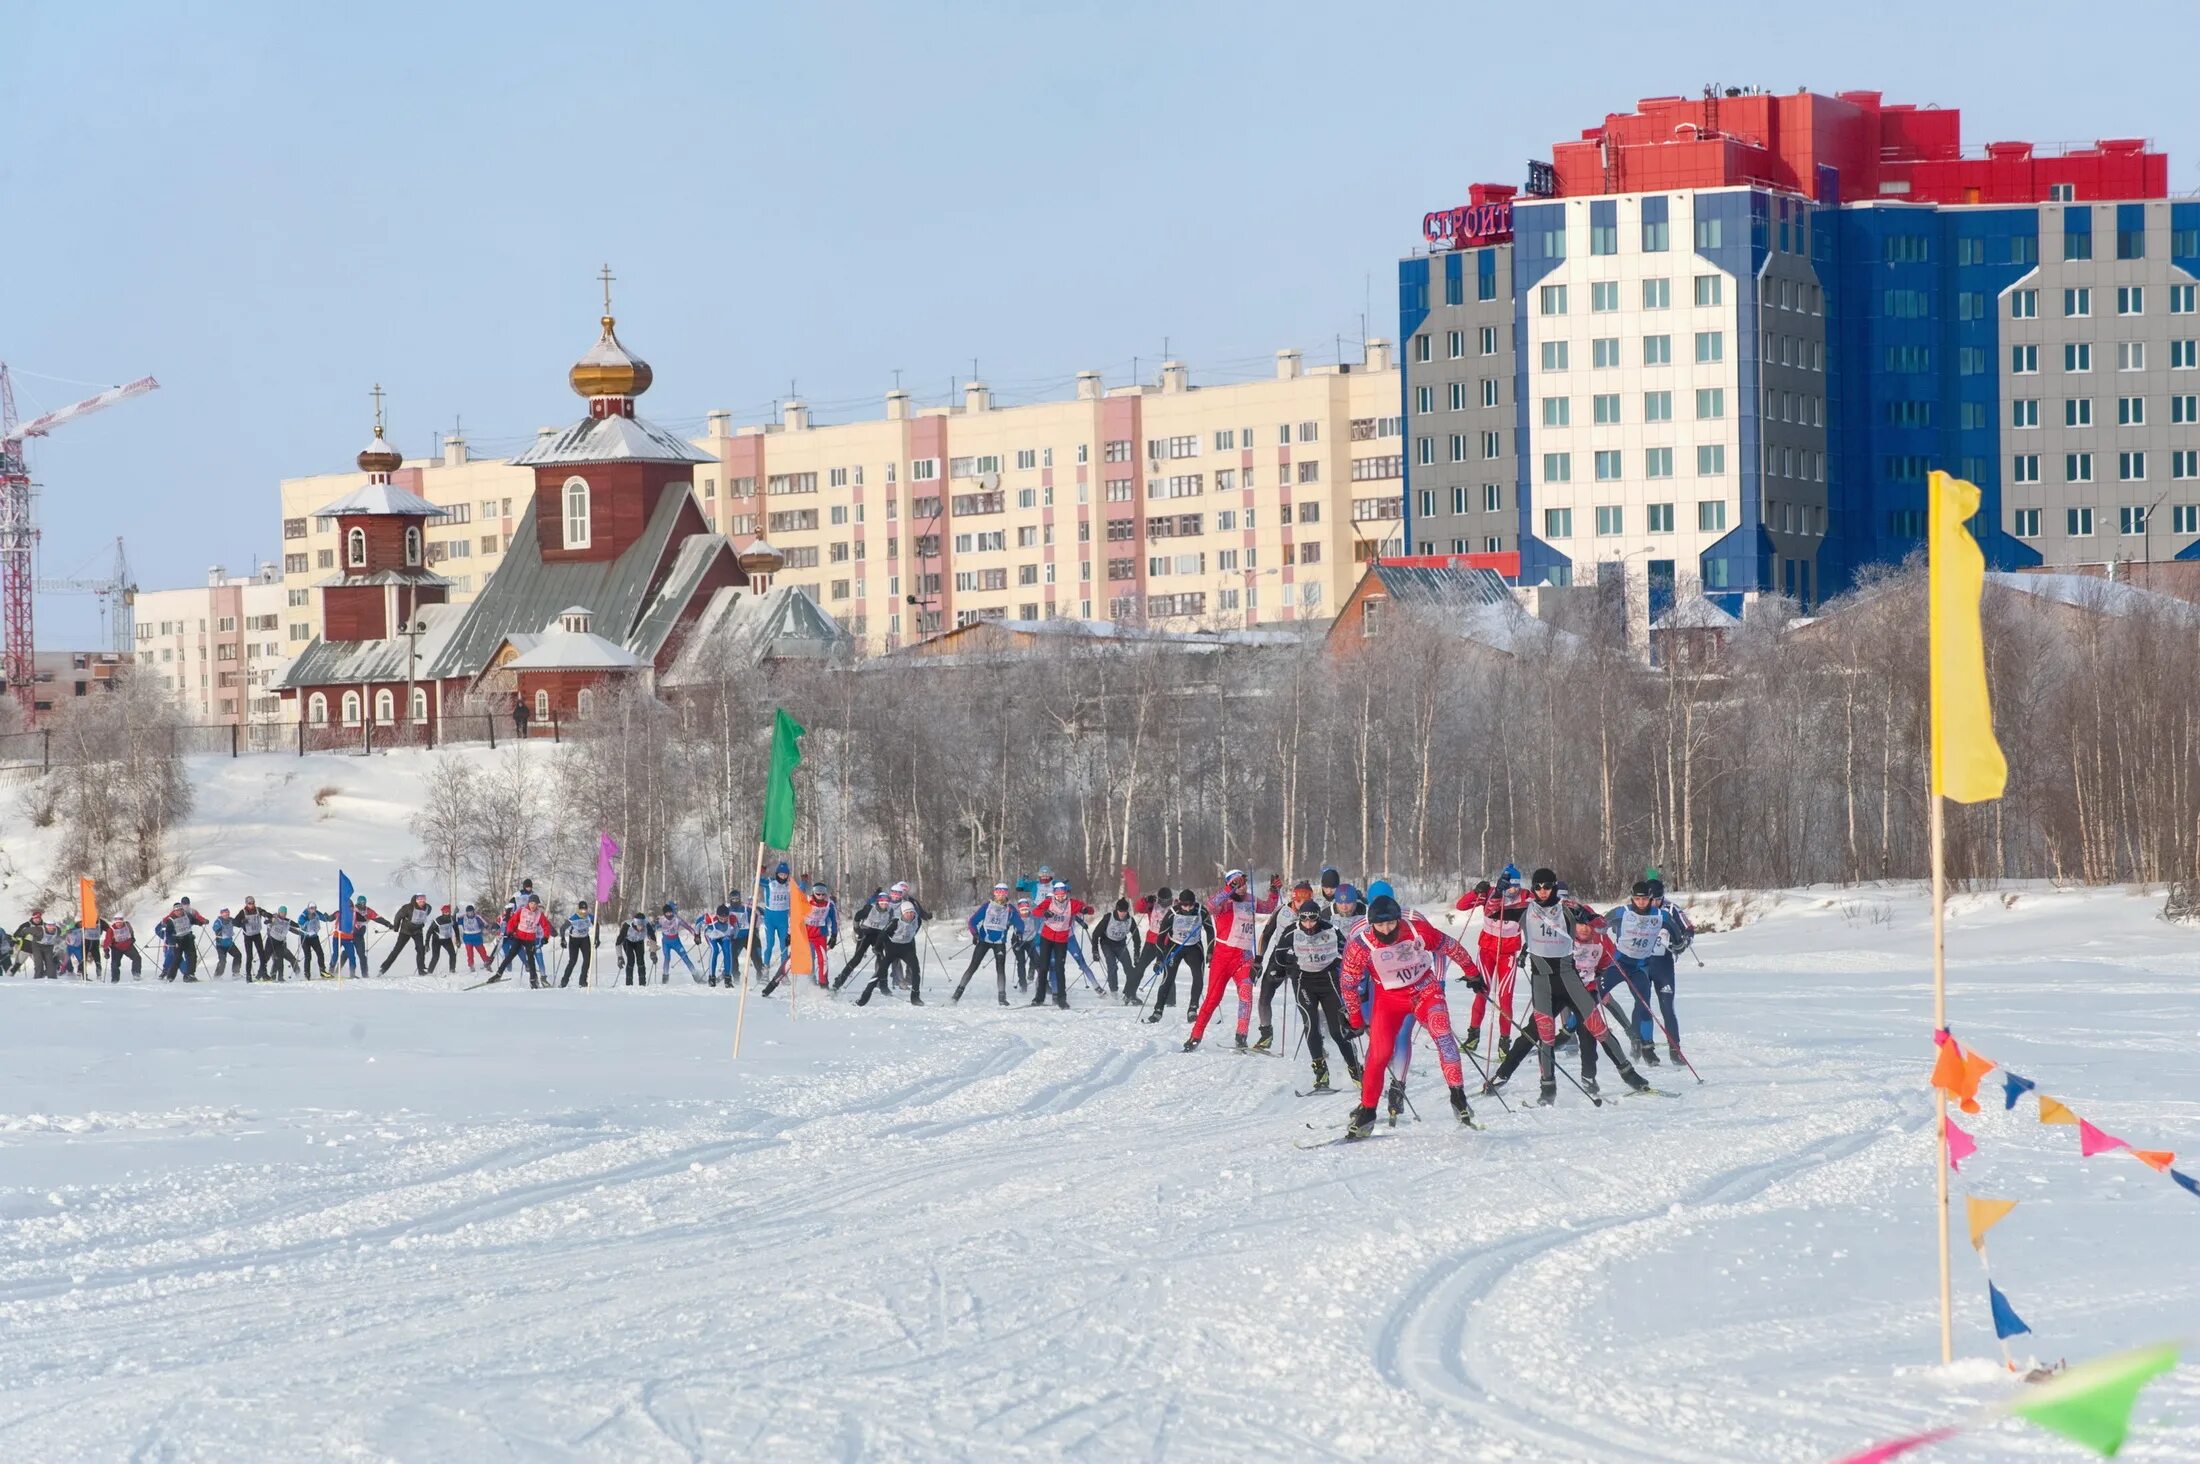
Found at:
<point>1967,762</point>
<point>1984,1215</point>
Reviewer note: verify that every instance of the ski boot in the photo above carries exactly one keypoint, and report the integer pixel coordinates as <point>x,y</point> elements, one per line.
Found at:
<point>1546,1095</point>
<point>1267,1040</point>
<point>1647,1052</point>
<point>1004,998</point>
<point>1191,1044</point>
<point>1589,1086</point>
<point>1489,1087</point>
<point>1674,1050</point>
<point>1395,1100</point>
<point>915,1000</point>
<point>958,996</point>
<point>1241,1043</point>
<point>1321,1076</point>
<point>1061,998</point>
<point>1459,1107</point>
<point>1153,1019</point>
<point>1361,1124</point>
<point>1474,1040</point>
<point>1504,1048</point>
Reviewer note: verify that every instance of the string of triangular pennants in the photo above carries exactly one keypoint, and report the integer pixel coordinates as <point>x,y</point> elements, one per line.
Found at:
<point>1958,1073</point>
<point>2090,1403</point>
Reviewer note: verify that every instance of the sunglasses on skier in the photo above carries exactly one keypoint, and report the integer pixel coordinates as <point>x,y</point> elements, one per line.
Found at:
<point>1545,885</point>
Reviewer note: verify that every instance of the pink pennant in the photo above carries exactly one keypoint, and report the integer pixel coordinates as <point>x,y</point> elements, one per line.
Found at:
<point>1961,1146</point>
<point>1880,1453</point>
<point>2092,1141</point>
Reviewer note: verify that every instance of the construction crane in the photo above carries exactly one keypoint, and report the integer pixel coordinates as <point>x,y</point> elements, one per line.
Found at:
<point>19,528</point>
<point>117,600</point>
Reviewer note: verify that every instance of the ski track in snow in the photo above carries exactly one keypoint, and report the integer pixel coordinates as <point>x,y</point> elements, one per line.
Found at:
<point>389,1221</point>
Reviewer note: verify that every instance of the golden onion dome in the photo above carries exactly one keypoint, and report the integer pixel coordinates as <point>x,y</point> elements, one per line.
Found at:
<point>379,457</point>
<point>608,370</point>
<point>760,558</point>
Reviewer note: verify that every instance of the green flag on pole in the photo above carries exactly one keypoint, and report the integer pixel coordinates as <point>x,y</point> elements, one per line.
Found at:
<point>779,787</point>
<point>2092,1402</point>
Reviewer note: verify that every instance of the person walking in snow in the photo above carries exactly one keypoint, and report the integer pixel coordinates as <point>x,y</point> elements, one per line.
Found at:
<point>1549,932</point>
<point>119,941</point>
<point>310,950</point>
<point>275,957</point>
<point>1112,936</point>
<point>579,930</point>
<point>990,926</point>
<point>1402,960</point>
<point>1190,934</point>
<point>1236,917</point>
<point>1057,914</point>
<point>1310,954</point>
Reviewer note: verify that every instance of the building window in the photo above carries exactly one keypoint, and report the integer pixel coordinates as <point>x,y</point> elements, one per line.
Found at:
<point>1657,350</point>
<point>2025,523</point>
<point>295,564</point>
<point>1656,236</point>
<point>1558,523</point>
<point>2131,355</point>
<point>2024,412</point>
<point>1604,296</point>
<point>385,706</point>
<point>1710,403</point>
<point>1657,406</point>
<point>2077,303</point>
<point>1610,517</point>
<point>1710,345</point>
<point>1661,518</point>
<point>2024,304</point>
<point>2131,411</point>
<point>1604,352</point>
<point>2180,299</point>
<point>2131,467</point>
<point>1604,409</point>
<point>2131,300</point>
<point>1558,467</point>
<point>577,523</point>
<point>420,706</point>
<point>2077,467</point>
<point>2184,355</point>
<point>1711,515</point>
<point>584,704</point>
<point>1485,341</point>
<point>2078,522</point>
<point>1711,460</point>
<point>2078,412</point>
<point>1489,391</point>
<point>1558,411</point>
<point>412,545</point>
<point>1551,300</point>
<point>2025,468</point>
<point>1607,465</point>
<point>2023,360</point>
<point>1657,294</point>
<point>1553,355</point>
<point>317,709</point>
<point>1710,289</point>
<point>355,549</point>
<point>2077,356</point>
<point>2184,463</point>
<point>1657,462</point>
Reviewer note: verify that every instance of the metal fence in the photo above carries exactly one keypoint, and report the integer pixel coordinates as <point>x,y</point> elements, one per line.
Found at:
<point>36,750</point>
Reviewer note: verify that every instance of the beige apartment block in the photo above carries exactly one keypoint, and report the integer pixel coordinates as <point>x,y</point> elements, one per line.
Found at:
<point>1168,503</point>
<point>218,648</point>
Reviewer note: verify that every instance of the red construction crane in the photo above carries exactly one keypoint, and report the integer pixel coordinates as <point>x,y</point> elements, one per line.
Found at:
<point>19,529</point>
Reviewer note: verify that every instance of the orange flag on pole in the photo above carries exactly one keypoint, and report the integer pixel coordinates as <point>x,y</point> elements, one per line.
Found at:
<point>798,940</point>
<point>87,903</point>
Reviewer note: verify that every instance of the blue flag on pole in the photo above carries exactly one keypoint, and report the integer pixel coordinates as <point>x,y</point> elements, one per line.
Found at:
<point>343,903</point>
<point>2007,1323</point>
<point>2013,1088</point>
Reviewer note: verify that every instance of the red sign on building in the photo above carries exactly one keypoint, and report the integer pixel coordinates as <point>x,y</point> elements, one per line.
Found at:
<point>1469,226</point>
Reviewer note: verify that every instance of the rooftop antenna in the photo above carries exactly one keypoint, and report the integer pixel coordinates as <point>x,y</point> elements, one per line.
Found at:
<point>897,378</point>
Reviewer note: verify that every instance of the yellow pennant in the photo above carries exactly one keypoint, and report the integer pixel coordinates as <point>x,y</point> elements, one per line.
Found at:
<point>2052,1111</point>
<point>1984,1215</point>
<point>1967,761</point>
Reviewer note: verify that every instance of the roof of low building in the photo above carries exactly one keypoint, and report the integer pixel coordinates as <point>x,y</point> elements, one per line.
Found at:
<point>339,663</point>
<point>1695,613</point>
<point>381,498</point>
<point>1416,587</point>
<point>735,625</point>
<point>2101,596</point>
<point>612,438</point>
<point>395,575</point>
<point>558,649</point>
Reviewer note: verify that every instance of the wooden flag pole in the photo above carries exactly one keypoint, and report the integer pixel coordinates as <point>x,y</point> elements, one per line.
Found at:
<point>741,1008</point>
<point>1940,1099</point>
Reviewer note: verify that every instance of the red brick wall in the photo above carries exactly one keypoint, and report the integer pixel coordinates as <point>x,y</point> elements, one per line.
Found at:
<point>354,613</point>
<point>564,688</point>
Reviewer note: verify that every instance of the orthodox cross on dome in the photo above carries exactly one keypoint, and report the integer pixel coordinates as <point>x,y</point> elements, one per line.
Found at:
<point>607,277</point>
<point>377,395</point>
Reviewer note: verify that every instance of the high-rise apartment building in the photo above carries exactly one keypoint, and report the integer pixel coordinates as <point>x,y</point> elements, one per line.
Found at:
<point>1723,340</point>
<point>218,647</point>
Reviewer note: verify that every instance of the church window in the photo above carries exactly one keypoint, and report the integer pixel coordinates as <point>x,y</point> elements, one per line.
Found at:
<point>576,513</point>
<point>351,709</point>
<point>317,710</point>
<point>419,705</point>
<point>355,549</point>
<point>412,546</point>
<point>385,707</point>
<point>542,706</point>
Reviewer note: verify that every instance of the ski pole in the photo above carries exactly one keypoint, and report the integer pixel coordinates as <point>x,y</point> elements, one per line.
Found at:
<point>1670,1045</point>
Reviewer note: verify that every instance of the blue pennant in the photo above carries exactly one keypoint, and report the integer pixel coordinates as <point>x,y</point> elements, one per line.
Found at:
<point>2186,1180</point>
<point>2013,1088</point>
<point>2007,1323</point>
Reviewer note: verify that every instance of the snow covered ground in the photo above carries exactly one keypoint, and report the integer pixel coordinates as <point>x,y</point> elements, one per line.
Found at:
<point>391,1220</point>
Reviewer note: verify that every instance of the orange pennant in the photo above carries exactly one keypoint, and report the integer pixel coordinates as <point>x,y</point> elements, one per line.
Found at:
<point>2053,1111</point>
<point>2158,1160</point>
<point>1948,1067</point>
<point>1975,1067</point>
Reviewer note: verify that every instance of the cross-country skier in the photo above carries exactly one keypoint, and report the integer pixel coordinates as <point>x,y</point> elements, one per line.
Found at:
<point>1548,928</point>
<point>1310,954</point>
<point>579,931</point>
<point>351,947</point>
<point>1237,935</point>
<point>899,952</point>
<point>311,951</point>
<point>634,948</point>
<point>1402,959</point>
<point>179,930</point>
<point>1330,882</point>
<point>870,927</point>
<point>1189,934</point>
<point>32,936</point>
<point>275,944</point>
<point>1112,935</point>
<point>119,941</point>
<point>526,932</point>
<point>411,924</point>
<point>1641,933</point>
<point>774,903</point>
<point>473,934</point>
<point>1156,909</point>
<point>227,956</point>
<point>1499,949</point>
<point>251,924</point>
<point>821,928</point>
<point>443,940</point>
<point>990,925</point>
<point>671,926</point>
<point>1680,934</point>
<point>1058,913</point>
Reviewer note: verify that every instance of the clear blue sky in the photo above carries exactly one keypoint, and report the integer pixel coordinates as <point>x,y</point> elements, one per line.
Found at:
<point>272,207</point>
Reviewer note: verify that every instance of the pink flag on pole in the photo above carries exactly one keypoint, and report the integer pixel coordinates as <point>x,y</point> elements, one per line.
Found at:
<point>2092,1141</point>
<point>1961,1146</point>
<point>607,853</point>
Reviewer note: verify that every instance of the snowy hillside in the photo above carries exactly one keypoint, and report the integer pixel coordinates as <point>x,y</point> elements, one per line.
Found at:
<point>393,1220</point>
